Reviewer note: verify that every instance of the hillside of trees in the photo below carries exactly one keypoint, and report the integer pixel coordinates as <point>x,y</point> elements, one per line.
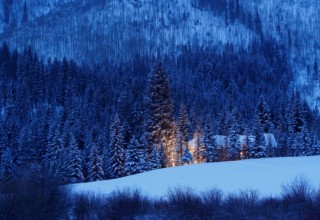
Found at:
<point>86,123</point>
<point>93,31</point>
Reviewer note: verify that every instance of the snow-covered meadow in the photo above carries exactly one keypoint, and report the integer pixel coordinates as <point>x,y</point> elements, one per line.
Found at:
<point>267,176</point>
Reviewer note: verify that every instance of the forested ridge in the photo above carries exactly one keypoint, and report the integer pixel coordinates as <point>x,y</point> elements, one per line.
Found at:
<point>81,123</point>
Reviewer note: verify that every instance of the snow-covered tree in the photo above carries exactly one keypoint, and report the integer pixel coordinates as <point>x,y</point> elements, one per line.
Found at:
<point>208,141</point>
<point>75,162</point>
<point>86,151</point>
<point>161,127</point>
<point>7,167</point>
<point>200,147</point>
<point>54,155</point>
<point>315,147</point>
<point>244,152</point>
<point>212,155</point>
<point>263,115</point>
<point>233,139</point>
<point>155,162</point>
<point>303,141</point>
<point>95,170</point>
<point>258,148</point>
<point>182,132</point>
<point>117,154</point>
<point>187,157</point>
<point>134,159</point>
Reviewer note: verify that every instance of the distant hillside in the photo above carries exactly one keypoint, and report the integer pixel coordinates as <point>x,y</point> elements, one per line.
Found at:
<point>119,30</point>
<point>98,30</point>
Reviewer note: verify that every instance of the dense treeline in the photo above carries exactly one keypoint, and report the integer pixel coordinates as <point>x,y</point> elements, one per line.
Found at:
<point>31,200</point>
<point>83,123</point>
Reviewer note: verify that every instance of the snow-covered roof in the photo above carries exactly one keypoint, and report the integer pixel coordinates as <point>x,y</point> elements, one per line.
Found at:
<point>222,140</point>
<point>270,140</point>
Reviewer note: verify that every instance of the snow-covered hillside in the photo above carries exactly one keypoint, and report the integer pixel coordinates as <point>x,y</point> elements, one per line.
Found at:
<point>265,175</point>
<point>35,9</point>
<point>122,29</point>
<point>118,30</point>
<point>294,23</point>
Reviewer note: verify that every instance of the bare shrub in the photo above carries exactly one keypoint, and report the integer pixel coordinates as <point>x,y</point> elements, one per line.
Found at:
<point>297,199</point>
<point>125,204</point>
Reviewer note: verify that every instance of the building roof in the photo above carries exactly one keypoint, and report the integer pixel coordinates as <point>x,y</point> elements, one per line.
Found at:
<point>221,140</point>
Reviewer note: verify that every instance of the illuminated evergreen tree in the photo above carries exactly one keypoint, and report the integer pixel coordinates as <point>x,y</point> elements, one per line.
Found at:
<point>161,127</point>
<point>182,132</point>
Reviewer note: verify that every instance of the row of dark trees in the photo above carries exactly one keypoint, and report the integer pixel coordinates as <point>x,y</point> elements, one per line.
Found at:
<point>31,200</point>
<point>87,123</point>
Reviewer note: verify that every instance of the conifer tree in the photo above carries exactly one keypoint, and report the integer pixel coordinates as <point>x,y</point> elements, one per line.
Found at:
<point>295,124</point>
<point>200,148</point>
<point>63,172</point>
<point>315,145</point>
<point>178,148</point>
<point>258,148</point>
<point>263,115</point>
<point>117,153</point>
<point>7,167</point>
<point>86,151</point>
<point>182,132</point>
<point>161,127</point>
<point>208,141</point>
<point>163,156</point>
<point>244,154</point>
<point>75,164</point>
<point>95,171</point>
<point>233,139</point>
<point>187,157</point>
<point>54,155</point>
<point>134,160</point>
<point>212,155</point>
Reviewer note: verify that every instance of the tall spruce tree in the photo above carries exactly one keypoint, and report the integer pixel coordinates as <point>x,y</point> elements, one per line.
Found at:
<point>233,138</point>
<point>134,158</point>
<point>295,124</point>
<point>212,155</point>
<point>182,132</point>
<point>258,148</point>
<point>117,152</point>
<point>95,170</point>
<point>161,127</point>
<point>200,149</point>
<point>263,115</point>
<point>54,154</point>
<point>208,137</point>
<point>75,162</point>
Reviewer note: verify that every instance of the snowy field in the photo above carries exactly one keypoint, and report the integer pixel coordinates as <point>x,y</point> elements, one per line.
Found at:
<point>265,175</point>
